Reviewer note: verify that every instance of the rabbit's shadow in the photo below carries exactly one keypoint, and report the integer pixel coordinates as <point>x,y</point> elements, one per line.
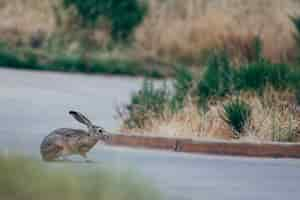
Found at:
<point>76,162</point>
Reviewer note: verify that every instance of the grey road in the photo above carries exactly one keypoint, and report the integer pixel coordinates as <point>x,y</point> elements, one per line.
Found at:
<point>34,103</point>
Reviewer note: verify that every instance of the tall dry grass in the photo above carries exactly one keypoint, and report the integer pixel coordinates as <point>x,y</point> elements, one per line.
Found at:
<point>181,29</point>
<point>19,19</point>
<point>273,118</point>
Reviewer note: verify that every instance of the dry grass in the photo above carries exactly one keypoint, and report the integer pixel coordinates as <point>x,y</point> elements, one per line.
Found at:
<point>20,19</point>
<point>181,29</point>
<point>273,118</point>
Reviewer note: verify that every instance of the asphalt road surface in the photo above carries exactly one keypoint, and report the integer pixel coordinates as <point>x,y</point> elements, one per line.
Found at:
<point>34,103</point>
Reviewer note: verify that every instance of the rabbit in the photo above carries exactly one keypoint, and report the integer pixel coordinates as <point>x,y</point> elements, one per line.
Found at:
<point>63,142</point>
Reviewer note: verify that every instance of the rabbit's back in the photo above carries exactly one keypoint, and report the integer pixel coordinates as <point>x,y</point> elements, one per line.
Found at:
<point>60,142</point>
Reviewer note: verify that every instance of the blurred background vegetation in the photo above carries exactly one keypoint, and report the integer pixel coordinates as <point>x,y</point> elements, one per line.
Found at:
<point>142,37</point>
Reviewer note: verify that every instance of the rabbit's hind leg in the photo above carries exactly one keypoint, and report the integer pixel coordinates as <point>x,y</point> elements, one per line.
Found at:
<point>83,154</point>
<point>64,158</point>
<point>64,154</point>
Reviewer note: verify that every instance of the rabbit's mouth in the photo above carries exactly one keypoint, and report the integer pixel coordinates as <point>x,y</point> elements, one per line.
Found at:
<point>104,137</point>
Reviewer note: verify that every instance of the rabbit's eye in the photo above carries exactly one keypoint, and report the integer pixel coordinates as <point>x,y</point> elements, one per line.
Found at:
<point>100,131</point>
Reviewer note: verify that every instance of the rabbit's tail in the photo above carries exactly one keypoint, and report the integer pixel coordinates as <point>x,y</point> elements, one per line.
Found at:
<point>49,151</point>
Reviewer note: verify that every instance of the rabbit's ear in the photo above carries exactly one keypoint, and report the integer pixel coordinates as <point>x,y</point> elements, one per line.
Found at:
<point>80,117</point>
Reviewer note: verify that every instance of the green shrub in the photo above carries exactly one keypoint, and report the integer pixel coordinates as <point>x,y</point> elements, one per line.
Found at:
<point>220,78</point>
<point>146,103</point>
<point>26,179</point>
<point>251,76</point>
<point>256,76</point>
<point>237,114</point>
<point>124,15</point>
<point>182,85</point>
<point>150,101</point>
<point>217,78</point>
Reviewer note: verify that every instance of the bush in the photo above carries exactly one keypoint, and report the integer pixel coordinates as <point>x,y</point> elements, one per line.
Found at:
<point>236,115</point>
<point>151,102</point>
<point>25,179</point>
<point>252,76</point>
<point>217,78</point>
<point>182,84</point>
<point>124,15</point>
<point>256,76</point>
<point>146,103</point>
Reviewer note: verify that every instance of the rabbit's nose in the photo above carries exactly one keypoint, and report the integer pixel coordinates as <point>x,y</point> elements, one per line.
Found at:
<point>106,137</point>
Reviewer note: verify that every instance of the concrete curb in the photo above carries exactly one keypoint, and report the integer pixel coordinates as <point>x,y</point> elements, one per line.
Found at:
<point>274,150</point>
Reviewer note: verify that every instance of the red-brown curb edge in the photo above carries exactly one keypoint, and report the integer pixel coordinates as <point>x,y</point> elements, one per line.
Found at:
<point>274,150</point>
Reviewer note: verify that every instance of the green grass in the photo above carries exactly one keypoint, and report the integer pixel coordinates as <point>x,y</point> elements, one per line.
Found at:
<point>40,60</point>
<point>22,178</point>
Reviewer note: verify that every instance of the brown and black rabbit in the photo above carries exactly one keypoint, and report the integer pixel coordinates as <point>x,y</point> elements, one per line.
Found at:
<point>64,142</point>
